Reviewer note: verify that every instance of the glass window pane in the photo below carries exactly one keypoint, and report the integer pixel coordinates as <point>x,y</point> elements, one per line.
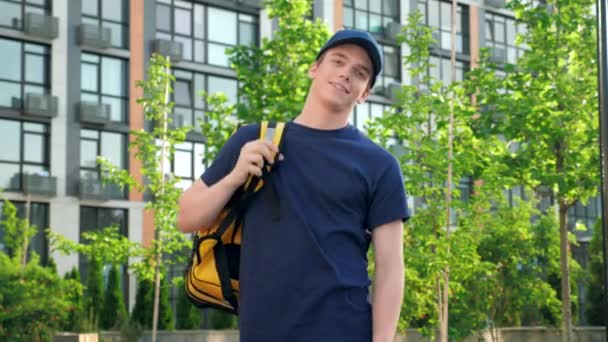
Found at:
<point>446,16</point>
<point>10,15</point>
<point>8,180</point>
<point>183,184</point>
<point>10,94</point>
<point>163,17</point>
<point>35,169</point>
<point>33,148</point>
<point>113,10</point>
<point>186,114</point>
<point>87,133</point>
<point>88,153</point>
<point>183,22</point>
<point>112,77</point>
<point>432,14</point>
<point>199,21</point>
<point>35,69</point>
<point>217,55</point>
<point>88,77</point>
<point>221,26</point>
<point>224,85</point>
<point>199,152</point>
<point>391,7</point>
<point>375,6</point>
<point>361,4</point>
<point>361,20</point>
<point>183,93</point>
<point>375,24</point>
<point>10,68</point>
<point>348,17</point>
<point>33,127</point>
<point>247,33</point>
<point>183,164</point>
<point>511,32</point>
<point>117,108</point>
<point>10,140</point>
<point>199,51</point>
<point>86,57</point>
<point>112,148</point>
<point>89,7</point>
<point>187,43</point>
<point>118,34</point>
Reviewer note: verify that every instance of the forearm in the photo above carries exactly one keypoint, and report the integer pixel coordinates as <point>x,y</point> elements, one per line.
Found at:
<point>199,207</point>
<point>387,297</point>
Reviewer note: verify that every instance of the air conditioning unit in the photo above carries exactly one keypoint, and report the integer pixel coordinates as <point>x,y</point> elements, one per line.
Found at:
<point>172,49</point>
<point>39,184</point>
<point>94,36</point>
<point>498,55</point>
<point>41,25</point>
<point>392,90</point>
<point>392,29</point>
<point>93,112</point>
<point>495,3</point>
<point>41,105</point>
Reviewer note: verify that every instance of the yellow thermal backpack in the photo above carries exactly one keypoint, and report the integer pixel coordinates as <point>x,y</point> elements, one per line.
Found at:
<point>212,278</point>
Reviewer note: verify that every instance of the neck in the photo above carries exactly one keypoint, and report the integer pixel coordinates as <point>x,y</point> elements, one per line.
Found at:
<point>316,115</point>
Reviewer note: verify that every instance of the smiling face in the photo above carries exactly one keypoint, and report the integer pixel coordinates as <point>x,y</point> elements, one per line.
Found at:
<point>341,77</point>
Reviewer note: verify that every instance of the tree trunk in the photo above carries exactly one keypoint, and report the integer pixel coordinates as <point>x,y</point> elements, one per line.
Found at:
<point>26,233</point>
<point>564,250</point>
<point>156,298</point>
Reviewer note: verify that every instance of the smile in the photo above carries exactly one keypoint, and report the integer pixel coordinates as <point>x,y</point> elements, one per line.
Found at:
<point>339,87</point>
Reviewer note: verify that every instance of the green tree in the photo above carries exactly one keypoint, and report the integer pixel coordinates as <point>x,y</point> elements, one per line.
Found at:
<point>34,301</point>
<point>155,148</point>
<point>144,301</point>
<point>76,320</point>
<point>114,311</point>
<point>546,109</point>
<point>188,315</point>
<point>94,291</point>
<point>596,307</point>
<point>273,77</point>
<point>165,313</point>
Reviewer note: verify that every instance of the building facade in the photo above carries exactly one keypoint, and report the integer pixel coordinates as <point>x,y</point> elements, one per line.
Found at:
<point>67,91</point>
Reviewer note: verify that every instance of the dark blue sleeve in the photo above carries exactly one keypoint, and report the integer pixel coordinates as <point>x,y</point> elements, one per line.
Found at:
<point>388,199</point>
<point>229,154</point>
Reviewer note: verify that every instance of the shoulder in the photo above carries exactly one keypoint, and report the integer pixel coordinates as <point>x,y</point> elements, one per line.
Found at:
<point>376,155</point>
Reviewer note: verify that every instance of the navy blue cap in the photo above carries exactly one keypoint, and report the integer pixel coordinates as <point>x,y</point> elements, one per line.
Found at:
<point>364,40</point>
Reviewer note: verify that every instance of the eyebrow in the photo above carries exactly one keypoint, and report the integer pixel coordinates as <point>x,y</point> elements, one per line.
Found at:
<point>360,66</point>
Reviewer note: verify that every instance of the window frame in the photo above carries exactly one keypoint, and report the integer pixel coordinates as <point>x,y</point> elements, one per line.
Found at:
<point>45,9</point>
<point>101,20</point>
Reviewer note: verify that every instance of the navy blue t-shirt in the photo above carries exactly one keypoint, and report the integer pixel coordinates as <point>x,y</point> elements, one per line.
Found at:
<point>303,272</point>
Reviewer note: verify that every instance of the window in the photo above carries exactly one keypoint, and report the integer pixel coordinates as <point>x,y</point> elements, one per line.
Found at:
<point>370,15</point>
<point>38,216</point>
<point>25,149</point>
<point>109,145</point>
<point>439,69</point>
<point>24,70</point>
<point>438,15</point>
<point>113,14</point>
<point>373,16</point>
<point>187,163</point>
<point>585,214</point>
<point>501,32</point>
<point>205,32</point>
<point>104,80</point>
<point>94,218</point>
<point>366,112</point>
<point>12,12</point>
<point>189,104</point>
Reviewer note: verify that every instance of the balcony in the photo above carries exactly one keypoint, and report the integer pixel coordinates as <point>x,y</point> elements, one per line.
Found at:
<point>252,3</point>
<point>41,25</point>
<point>173,50</point>
<point>94,36</point>
<point>498,55</point>
<point>95,113</point>
<point>94,189</point>
<point>35,184</point>
<point>495,3</point>
<point>43,105</point>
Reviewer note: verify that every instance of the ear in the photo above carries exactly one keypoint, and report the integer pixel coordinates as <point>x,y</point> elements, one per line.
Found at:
<point>364,95</point>
<point>312,71</point>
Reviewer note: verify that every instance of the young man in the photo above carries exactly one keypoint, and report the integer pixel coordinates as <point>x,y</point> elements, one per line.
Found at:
<point>303,273</point>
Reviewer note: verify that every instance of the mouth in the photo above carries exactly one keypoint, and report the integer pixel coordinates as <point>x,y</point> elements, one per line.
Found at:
<point>339,87</point>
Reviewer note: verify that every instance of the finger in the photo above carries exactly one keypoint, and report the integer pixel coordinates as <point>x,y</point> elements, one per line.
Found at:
<point>267,150</point>
<point>254,170</point>
<point>257,160</point>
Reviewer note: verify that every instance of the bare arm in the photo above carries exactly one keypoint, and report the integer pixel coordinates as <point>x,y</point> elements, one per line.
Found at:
<point>200,204</point>
<point>388,280</point>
